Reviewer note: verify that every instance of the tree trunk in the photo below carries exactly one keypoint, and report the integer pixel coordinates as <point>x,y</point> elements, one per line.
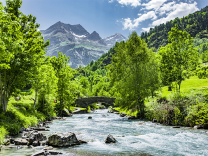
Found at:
<point>36,93</point>
<point>179,85</point>
<point>142,109</point>
<point>4,102</point>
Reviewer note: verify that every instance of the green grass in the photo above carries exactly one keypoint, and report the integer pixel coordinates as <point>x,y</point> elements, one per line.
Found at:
<point>128,112</point>
<point>188,85</point>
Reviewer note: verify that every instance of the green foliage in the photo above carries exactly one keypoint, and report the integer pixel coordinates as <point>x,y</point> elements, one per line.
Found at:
<point>202,72</point>
<point>45,105</point>
<point>198,114</point>
<point>66,90</point>
<point>3,133</point>
<point>195,24</point>
<point>129,73</point>
<point>21,48</point>
<point>178,58</point>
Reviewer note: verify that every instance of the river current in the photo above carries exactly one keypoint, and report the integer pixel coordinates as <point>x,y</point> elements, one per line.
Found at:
<point>135,137</point>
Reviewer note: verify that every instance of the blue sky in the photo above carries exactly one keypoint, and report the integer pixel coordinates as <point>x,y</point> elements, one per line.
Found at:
<point>108,17</point>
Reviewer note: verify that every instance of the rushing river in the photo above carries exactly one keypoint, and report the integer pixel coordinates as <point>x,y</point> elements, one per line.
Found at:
<point>134,137</point>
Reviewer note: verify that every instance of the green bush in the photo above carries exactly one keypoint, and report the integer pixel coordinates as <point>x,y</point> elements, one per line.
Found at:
<point>197,114</point>
<point>3,133</point>
<point>44,105</point>
<point>202,72</point>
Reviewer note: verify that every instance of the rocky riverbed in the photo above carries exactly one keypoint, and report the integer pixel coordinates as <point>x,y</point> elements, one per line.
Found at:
<point>133,137</point>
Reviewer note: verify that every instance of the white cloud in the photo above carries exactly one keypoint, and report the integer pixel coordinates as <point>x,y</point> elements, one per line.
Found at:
<point>179,10</point>
<point>146,29</point>
<point>111,1</point>
<point>129,24</point>
<point>154,4</point>
<point>133,3</point>
<point>166,7</point>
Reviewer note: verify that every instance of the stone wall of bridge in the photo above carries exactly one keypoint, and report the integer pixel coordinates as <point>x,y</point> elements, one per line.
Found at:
<point>85,102</point>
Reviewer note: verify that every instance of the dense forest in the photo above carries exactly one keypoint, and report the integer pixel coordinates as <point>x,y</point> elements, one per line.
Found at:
<point>161,75</point>
<point>195,24</point>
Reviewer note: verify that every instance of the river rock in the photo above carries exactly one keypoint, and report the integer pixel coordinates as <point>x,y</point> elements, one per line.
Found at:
<point>34,137</point>
<point>40,129</point>
<point>63,139</point>
<point>122,114</point>
<point>154,120</point>
<point>12,140</point>
<point>89,117</point>
<point>199,127</point>
<point>82,142</point>
<point>46,152</point>
<point>7,142</point>
<point>36,143</point>
<point>132,118</point>
<point>48,122</point>
<point>20,141</point>
<point>176,127</point>
<point>48,148</point>
<point>22,130</point>
<point>110,139</point>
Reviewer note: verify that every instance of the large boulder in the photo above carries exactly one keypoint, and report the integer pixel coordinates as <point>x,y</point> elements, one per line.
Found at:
<point>110,139</point>
<point>34,137</point>
<point>63,139</point>
<point>20,141</point>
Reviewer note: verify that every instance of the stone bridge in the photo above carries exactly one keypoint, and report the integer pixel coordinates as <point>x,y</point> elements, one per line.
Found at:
<point>84,102</point>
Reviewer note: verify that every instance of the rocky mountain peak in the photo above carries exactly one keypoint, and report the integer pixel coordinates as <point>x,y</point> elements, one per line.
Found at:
<point>94,36</point>
<point>117,37</point>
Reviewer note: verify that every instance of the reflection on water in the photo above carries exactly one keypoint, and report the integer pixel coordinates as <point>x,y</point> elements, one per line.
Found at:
<point>134,137</point>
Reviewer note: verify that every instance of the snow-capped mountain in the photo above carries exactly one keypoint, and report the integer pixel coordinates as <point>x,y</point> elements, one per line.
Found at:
<point>77,43</point>
<point>110,41</point>
<point>74,41</point>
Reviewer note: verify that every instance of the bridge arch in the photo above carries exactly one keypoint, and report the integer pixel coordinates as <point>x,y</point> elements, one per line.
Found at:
<point>86,101</point>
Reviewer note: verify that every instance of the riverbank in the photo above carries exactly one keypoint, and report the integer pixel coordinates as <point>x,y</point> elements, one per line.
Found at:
<point>135,137</point>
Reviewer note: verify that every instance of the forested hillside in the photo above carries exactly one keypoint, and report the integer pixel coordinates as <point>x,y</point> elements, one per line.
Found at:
<point>195,24</point>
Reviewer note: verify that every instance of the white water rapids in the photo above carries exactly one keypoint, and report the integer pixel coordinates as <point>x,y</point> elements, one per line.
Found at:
<point>134,137</point>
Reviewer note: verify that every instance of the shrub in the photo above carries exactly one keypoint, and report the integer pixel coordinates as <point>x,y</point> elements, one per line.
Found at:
<point>3,133</point>
<point>197,114</point>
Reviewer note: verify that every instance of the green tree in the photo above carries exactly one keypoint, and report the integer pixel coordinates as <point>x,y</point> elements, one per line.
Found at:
<point>129,73</point>
<point>66,92</point>
<point>44,78</point>
<point>22,45</point>
<point>178,57</point>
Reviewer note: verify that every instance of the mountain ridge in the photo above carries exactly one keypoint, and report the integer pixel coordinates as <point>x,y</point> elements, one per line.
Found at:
<point>77,43</point>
